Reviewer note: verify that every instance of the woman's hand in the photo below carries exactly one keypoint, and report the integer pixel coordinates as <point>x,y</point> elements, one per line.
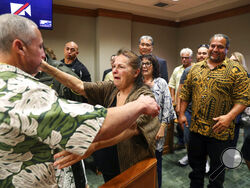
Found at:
<point>160,133</point>
<point>150,105</point>
<point>65,159</point>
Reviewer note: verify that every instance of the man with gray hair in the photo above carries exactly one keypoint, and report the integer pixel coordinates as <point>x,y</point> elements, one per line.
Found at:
<point>35,124</point>
<point>186,59</point>
<point>146,44</point>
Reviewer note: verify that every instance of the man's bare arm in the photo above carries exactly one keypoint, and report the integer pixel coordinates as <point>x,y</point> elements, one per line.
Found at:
<point>182,118</point>
<point>172,93</point>
<point>178,99</point>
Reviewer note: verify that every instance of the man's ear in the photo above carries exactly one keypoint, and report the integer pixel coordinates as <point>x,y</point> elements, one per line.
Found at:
<point>18,46</point>
<point>226,50</point>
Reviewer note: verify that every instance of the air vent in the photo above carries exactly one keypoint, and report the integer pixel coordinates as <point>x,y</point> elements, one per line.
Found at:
<point>160,4</point>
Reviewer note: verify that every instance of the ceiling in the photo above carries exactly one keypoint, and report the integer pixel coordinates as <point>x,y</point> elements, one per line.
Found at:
<point>176,10</point>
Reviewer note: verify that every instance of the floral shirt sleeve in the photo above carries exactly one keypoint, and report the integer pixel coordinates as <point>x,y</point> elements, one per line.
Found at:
<point>164,100</point>
<point>34,123</point>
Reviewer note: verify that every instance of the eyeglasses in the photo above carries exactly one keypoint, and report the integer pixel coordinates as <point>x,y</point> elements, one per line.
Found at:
<point>185,57</point>
<point>146,44</point>
<point>147,64</point>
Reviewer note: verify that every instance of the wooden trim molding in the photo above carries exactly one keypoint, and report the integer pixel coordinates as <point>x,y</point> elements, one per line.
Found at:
<point>60,9</point>
<point>216,16</point>
<point>114,14</point>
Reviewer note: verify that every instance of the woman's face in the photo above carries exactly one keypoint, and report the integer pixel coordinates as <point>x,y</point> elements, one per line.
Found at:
<point>124,75</point>
<point>147,68</point>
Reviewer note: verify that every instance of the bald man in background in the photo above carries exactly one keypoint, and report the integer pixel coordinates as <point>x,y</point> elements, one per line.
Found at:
<point>70,59</point>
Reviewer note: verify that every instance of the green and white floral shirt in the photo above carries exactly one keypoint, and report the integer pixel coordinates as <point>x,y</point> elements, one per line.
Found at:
<point>35,124</point>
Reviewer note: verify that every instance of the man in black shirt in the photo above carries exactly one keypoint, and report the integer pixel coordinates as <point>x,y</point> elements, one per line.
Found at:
<point>71,60</point>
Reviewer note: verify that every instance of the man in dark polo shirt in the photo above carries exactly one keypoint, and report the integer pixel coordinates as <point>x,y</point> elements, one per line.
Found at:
<point>71,60</point>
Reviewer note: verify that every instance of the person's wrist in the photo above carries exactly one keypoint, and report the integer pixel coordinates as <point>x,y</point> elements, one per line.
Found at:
<point>181,113</point>
<point>163,124</point>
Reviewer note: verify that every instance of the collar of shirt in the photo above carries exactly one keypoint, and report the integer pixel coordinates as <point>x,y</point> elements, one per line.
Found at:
<point>223,64</point>
<point>10,68</point>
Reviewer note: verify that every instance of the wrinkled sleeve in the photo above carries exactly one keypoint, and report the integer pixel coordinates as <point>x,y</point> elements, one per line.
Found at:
<point>168,112</point>
<point>147,125</point>
<point>35,111</point>
<point>98,92</point>
<point>241,91</point>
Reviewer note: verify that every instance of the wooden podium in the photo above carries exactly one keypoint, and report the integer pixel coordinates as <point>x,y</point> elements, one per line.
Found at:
<point>169,141</point>
<point>142,174</point>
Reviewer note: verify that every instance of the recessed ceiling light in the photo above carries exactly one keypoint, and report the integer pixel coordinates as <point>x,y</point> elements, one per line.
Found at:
<point>160,4</point>
<point>175,0</point>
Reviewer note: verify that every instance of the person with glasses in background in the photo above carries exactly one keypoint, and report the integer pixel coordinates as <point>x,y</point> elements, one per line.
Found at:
<point>146,44</point>
<point>186,60</point>
<point>159,87</point>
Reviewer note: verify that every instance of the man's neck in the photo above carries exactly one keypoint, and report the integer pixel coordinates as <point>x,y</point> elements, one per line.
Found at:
<point>7,59</point>
<point>212,64</point>
<point>69,61</point>
<point>187,66</point>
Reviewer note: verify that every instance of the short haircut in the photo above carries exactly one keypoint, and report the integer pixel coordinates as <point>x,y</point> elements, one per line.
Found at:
<point>15,27</point>
<point>147,37</point>
<point>203,45</point>
<point>186,50</point>
<point>155,64</point>
<point>223,36</point>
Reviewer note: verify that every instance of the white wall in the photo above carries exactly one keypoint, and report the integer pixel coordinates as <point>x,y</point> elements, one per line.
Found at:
<point>112,34</point>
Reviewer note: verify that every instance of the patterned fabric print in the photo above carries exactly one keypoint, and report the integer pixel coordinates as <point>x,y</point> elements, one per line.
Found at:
<point>163,99</point>
<point>34,124</point>
<point>65,178</point>
<point>213,93</point>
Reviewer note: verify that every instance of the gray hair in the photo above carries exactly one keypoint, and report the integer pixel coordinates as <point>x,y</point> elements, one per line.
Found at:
<point>15,27</point>
<point>223,36</point>
<point>147,37</point>
<point>186,51</point>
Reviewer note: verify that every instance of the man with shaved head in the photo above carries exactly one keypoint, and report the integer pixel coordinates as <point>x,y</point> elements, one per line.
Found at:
<point>70,59</point>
